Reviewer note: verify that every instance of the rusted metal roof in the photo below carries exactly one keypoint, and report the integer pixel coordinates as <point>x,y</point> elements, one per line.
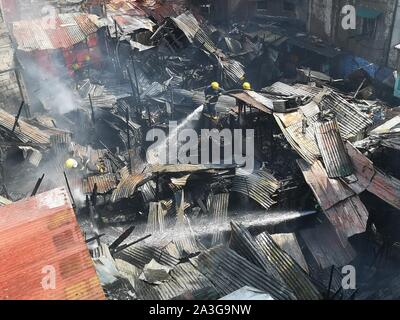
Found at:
<point>327,246</point>
<point>105,183</point>
<point>349,216</point>
<point>340,204</point>
<point>331,147</point>
<point>64,31</point>
<point>304,144</point>
<point>24,132</point>
<point>221,264</point>
<point>39,236</point>
<point>369,178</point>
<point>127,186</point>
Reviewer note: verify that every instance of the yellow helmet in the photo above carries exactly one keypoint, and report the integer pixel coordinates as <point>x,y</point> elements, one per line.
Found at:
<point>71,164</point>
<point>246,86</point>
<point>215,85</point>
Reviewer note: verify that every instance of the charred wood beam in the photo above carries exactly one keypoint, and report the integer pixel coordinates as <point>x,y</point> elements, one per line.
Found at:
<point>91,108</point>
<point>113,246</point>
<point>37,185</point>
<point>18,115</point>
<point>69,190</point>
<point>96,237</point>
<point>131,244</point>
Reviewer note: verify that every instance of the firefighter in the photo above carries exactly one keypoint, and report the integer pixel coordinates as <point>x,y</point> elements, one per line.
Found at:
<point>246,86</point>
<point>212,93</point>
<point>72,164</point>
<point>82,164</point>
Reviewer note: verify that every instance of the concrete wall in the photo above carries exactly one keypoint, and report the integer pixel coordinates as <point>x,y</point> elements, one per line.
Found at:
<point>321,22</point>
<point>325,21</point>
<point>247,9</point>
<point>394,53</point>
<point>376,48</point>
<point>10,97</point>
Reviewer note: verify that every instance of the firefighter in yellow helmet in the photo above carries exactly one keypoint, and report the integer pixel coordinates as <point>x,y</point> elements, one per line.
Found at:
<point>246,86</point>
<point>71,164</point>
<point>212,93</point>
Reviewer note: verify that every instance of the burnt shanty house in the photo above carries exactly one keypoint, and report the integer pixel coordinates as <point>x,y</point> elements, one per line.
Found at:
<point>199,149</point>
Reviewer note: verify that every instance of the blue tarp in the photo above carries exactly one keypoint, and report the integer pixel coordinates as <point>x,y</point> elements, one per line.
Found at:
<point>350,63</point>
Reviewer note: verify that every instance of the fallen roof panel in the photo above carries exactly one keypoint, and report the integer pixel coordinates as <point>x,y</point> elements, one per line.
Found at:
<point>327,246</point>
<point>24,132</point>
<point>375,181</point>
<point>333,152</point>
<point>221,264</point>
<point>266,254</point>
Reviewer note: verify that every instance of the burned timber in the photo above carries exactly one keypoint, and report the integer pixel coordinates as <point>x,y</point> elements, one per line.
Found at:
<point>109,113</point>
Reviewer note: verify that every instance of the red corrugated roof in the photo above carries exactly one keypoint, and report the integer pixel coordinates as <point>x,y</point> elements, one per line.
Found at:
<point>62,31</point>
<point>39,234</point>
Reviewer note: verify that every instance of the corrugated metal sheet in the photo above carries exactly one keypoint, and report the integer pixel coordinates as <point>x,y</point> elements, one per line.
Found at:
<point>141,254</point>
<point>258,185</point>
<point>254,99</point>
<point>375,181</point>
<point>39,234</point>
<point>327,246</point>
<point>327,191</point>
<point>288,243</point>
<point>311,90</point>
<point>304,144</point>
<point>233,71</point>
<point>219,212</point>
<point>155,219</point>
<point>105,183</point>
<point>350,119</point>
<point>349,216</point>
<point>243,243</point>
<point>266,254</point>
<point>331,147</point>
<point>4,201</point>
<point>229,272</point>
<point>64,31</point>
<point>185,283</point>
<point>287,90</point>
<point>24,132</point>
<point>189,25</point>
<point>127,187</point>
<point>287,268</point>
<point>343,208</point>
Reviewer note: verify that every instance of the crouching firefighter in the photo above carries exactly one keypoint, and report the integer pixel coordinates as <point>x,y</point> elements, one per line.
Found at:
<point>212,93</point>
<point>84,165</point>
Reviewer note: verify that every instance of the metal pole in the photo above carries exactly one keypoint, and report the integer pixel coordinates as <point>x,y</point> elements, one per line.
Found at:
<point>131,244</point>
<point>91,107</point>
<point>69,190</point>
<point>129,141</point>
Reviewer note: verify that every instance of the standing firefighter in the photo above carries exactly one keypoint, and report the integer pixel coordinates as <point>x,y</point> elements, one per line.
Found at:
<point>212,93</point>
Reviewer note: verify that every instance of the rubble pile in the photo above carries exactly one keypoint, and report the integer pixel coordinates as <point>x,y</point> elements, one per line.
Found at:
<point>324,192</point>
